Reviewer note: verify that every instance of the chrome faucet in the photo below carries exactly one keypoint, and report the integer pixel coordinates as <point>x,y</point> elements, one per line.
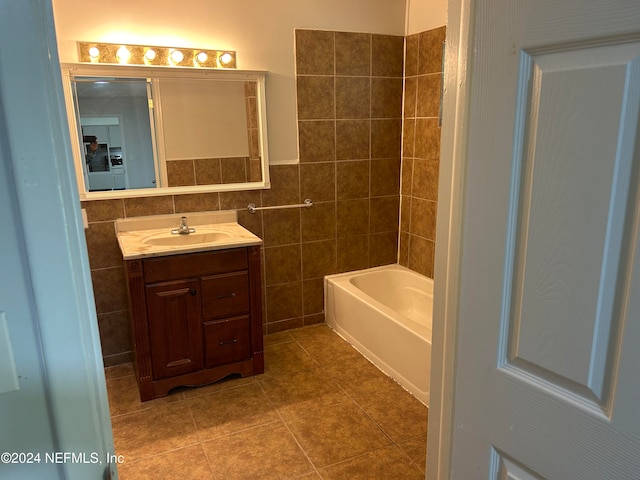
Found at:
<point>183,229</point>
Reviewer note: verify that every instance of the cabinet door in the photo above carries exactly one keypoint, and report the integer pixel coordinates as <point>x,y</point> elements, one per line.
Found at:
<point>175,330</point>
<point>115,136</point>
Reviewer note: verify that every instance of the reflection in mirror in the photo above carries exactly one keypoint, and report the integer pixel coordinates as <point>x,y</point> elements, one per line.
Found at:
<point>138,131</point>
<point>115,126</point>
<point>209,129</point>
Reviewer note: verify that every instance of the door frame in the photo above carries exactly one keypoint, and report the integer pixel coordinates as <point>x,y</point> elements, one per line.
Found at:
<point>449,231</point>
<point>48,204</point>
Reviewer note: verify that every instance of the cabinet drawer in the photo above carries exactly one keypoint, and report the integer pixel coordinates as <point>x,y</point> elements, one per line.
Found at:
<point>225,295</point>
<point>226,341</point>
<point>193,265</point>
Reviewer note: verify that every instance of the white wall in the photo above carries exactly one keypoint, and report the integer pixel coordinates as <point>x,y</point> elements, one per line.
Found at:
<point>260,31</point>
<point>423,15</point>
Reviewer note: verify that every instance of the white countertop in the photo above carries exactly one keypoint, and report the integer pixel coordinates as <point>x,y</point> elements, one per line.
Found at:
<point>133,232</point>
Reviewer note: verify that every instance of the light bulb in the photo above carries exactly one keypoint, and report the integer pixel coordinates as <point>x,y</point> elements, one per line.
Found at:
<point>177,56</point>
<point>123,54</point>
<point>94,52</point>
<point>202,57</point>
<point>225,58</point>
<point>150,54</point>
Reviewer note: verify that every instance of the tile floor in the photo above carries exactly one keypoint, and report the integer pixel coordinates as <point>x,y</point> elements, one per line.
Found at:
<point>320,411</point>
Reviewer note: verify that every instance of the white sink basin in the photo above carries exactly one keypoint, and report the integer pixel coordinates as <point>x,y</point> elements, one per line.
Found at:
<point>195,238</point>
<point>141,237</point>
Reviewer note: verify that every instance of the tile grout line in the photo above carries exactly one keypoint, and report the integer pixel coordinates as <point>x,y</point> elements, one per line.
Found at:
<point>295,439</point>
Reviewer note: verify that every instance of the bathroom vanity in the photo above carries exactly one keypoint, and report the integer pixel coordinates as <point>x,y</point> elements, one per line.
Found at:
<point>195,300</point>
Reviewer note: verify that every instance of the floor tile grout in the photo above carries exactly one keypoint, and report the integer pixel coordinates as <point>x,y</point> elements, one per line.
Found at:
<point>281,368</point>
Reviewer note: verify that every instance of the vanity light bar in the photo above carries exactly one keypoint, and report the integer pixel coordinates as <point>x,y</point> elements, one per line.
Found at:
<point>114,53</point>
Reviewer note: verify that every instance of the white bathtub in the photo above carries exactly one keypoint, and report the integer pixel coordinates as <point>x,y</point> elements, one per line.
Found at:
<point>385,312</point>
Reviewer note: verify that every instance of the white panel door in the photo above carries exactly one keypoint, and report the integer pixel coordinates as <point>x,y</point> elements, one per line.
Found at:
<point>548,339</point>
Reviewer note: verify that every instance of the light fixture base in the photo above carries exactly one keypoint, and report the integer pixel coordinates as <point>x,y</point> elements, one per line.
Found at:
<point>124,54</point>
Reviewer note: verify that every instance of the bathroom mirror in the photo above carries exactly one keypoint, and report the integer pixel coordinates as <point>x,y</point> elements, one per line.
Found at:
<point>142,131</point>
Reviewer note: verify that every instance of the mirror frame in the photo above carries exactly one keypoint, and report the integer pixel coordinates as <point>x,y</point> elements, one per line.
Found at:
<point>71,70</point>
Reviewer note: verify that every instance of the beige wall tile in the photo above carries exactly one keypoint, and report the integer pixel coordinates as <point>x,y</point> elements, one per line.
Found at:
<point>423,218</point>
<point>428,100</point>
<point>410,96</point>
<point>427,138</point>
<point>318,181</point>
<point>353,253</point>
<point>240,200</point>
<point>386,138</point>
<point>313,296</point>
<point>180,173</point>
<point>140,206</point>
<point>386,97</point>
<point>234,170</point>
<point>103,210</point>
<point>353,97</point>
<point>352,179</point>
<point>314,52</point>
<point>353,139</point>
<point>318,259</point>
<point>284,325</point>
<point>353,217</point>
<point>285,186</point>
<point>319,222</point>
<point>421,255</point>
<point>114,332</point>
<point>387,55</point>
<point>383,248</point>
<point>315,98</point>
<point>197,202</point>
<point>430,56</point>
<point>281,227</point>
<point>317,140</point>
<point>385,176</point>
<point>385,214</point>
<point>408,137</point>
<point>282,264</point>
<point>208,171</point>
<point>102,245</point>
<point>353,54</point>
<point>412,43</point>
<point>425,179</point>
<point>109,289</point>
<point>284,301</point>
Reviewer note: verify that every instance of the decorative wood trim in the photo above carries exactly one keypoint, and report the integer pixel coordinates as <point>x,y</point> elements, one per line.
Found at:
<point>255,292</point>
<point>162,387</point>
<point>138,318</point>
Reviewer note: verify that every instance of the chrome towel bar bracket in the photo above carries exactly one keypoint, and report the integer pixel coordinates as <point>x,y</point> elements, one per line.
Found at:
<point>253,209</point>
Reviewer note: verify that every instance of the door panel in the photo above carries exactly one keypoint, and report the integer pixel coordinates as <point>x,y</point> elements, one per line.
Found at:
<point>175,329</point>
<point>548,318</point>
<point>24,390</point>
<point>572,185</point>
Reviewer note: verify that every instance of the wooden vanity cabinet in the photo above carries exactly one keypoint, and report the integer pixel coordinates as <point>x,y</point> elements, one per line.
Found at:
<point>195,318</point>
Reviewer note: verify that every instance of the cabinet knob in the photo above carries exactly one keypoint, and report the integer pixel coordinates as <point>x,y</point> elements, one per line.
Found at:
<point>193,291</point>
